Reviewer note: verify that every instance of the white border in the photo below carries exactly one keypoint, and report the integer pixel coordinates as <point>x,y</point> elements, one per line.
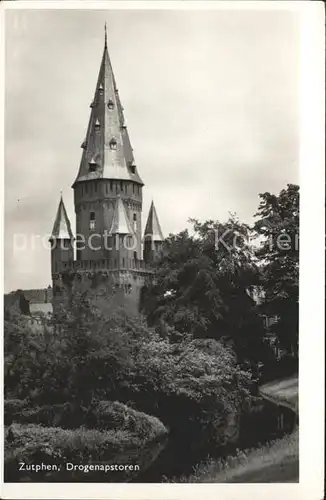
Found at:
<point>311,399</point>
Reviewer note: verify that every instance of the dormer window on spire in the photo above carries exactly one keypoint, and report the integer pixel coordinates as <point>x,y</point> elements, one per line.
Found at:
<point>113,144</point>
<point>132,168</point>
<point>100,88</point>
<point>92,165</point>
<point>110,104</point>
<point>97,123</point>
<point>84,144</point>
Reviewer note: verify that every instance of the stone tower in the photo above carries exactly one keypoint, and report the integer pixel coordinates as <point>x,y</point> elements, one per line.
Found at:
<point>62,250</point>
<point>108,195</point>
<point>61,239</point>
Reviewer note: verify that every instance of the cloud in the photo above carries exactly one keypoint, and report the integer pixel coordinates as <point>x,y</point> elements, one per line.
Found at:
<point>211,103</point>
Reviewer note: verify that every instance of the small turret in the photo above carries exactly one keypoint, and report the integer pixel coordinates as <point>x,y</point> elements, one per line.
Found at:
<point>153,237</point>
<point>61,239</point>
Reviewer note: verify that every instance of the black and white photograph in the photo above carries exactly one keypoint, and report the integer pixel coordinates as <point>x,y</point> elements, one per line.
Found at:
<point>151,246</point>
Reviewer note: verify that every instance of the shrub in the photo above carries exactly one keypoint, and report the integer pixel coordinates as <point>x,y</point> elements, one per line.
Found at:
<point>101,415</point>
<point>109,416</point>
<point>195,387</point>
<point>34,444</point>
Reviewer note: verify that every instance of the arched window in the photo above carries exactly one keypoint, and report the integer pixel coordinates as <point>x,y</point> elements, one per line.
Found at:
<point>92,221</point>
<point>134,218</point>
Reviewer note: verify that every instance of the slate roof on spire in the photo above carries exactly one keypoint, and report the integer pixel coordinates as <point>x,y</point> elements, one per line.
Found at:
<point>61,227</point>
<point>120,222</point>
<point>153,227</point>
<point>113,163</point>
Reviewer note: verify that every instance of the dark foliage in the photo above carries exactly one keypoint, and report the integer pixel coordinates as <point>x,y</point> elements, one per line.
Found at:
<point>278,224</point>
<point>203,289</point>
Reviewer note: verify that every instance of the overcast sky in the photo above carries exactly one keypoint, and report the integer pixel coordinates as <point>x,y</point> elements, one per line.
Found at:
<point>210,100</point>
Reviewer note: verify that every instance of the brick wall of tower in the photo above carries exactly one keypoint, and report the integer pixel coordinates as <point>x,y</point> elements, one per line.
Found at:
<point>105,289</point>
<point>61,252</point>
<point>153,250</point>
<point>99,197</point>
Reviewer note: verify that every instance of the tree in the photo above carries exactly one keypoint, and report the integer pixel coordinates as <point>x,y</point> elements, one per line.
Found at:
<point>202,285</point>
<point>278,225</point>
<point>194,386</point>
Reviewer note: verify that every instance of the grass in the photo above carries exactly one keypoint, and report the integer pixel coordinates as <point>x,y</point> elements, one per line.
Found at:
<point>276,462</point>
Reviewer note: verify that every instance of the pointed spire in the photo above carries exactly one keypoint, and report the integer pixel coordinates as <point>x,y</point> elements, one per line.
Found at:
<point>153,227</point>
<point>106,110</point>
<point>105,36</point>
<point>61,227</point>
<point>120,222</point>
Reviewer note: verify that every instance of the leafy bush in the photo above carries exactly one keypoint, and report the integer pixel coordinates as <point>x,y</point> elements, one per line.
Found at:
<point>195,387</point>
<point>107,415</point>
<point>101,415</point>
<point>33,444</point>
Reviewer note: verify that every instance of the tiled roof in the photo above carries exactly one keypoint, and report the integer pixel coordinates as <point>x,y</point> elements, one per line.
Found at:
<point>107,126</point>
<point>120,222</point>
<point>153,227</point>
<point>61,227</point>
<point>37,295</point>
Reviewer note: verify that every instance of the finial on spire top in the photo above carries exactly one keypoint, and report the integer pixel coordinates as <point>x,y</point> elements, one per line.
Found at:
<point>105,36</point>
